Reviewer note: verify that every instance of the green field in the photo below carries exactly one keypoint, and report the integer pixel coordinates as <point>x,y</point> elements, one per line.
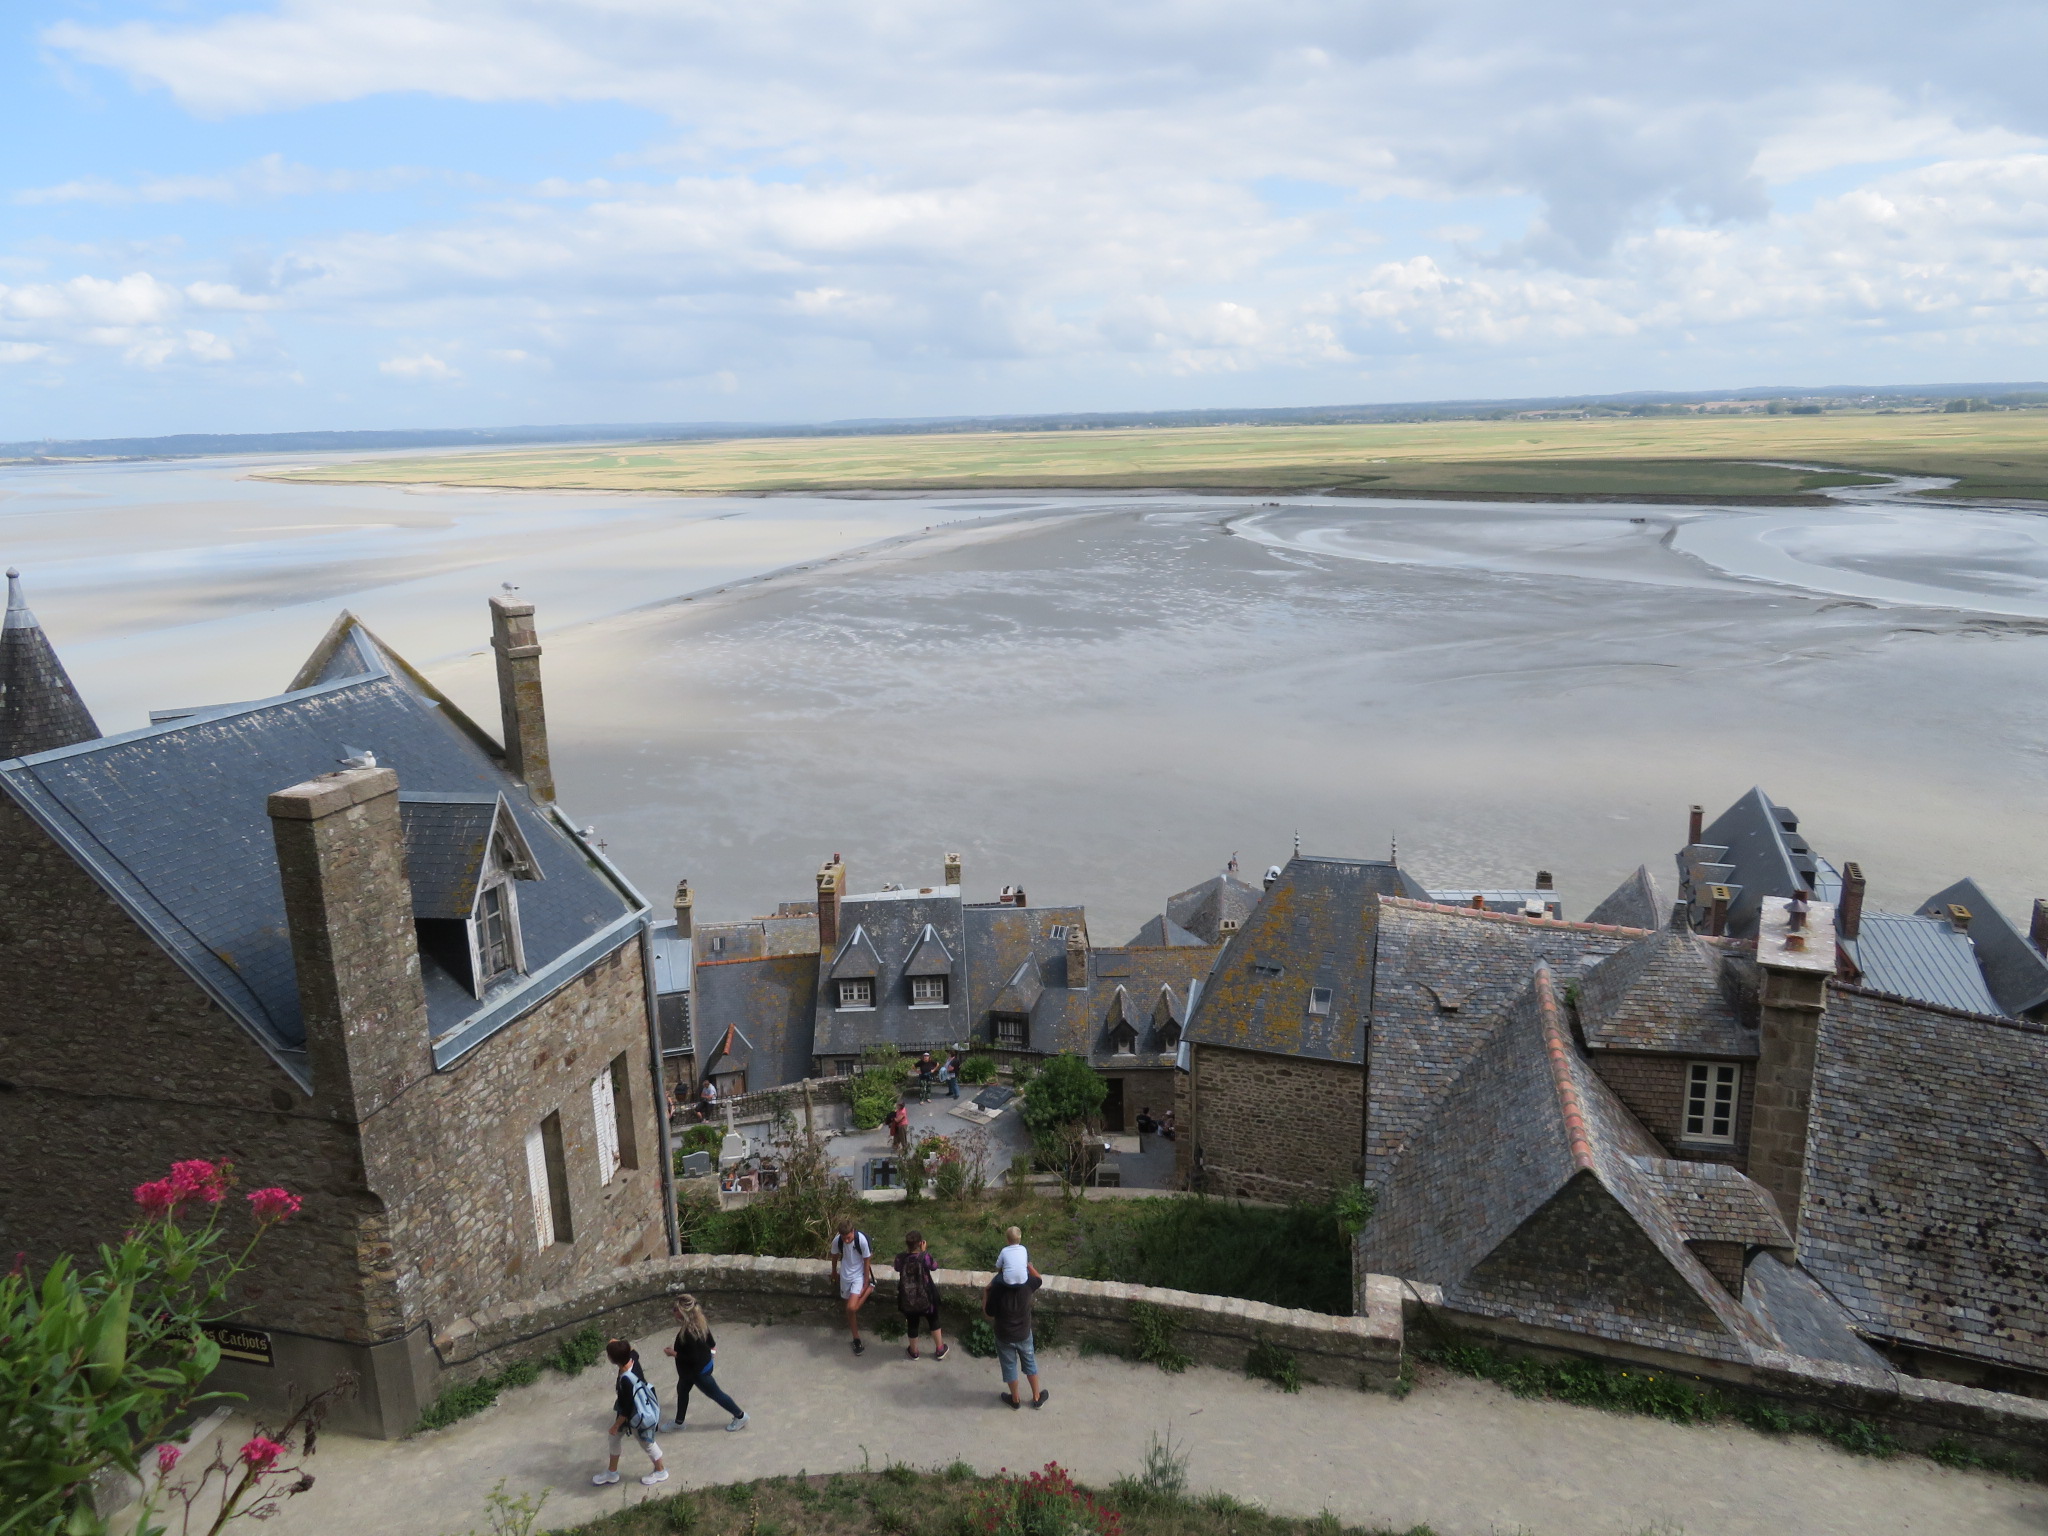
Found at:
<point>2000,454</point>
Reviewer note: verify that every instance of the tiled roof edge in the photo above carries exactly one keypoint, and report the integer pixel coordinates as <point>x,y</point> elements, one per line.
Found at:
<point>1514,917</point>
<point>2024,1026</point>
<point>1558,1048</point>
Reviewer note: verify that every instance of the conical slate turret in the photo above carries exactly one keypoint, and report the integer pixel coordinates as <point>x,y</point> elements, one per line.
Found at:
<point>39,709</point>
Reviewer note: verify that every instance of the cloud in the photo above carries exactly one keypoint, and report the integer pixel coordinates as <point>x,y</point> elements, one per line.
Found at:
<point>422,365</point>
<point>269,176</point>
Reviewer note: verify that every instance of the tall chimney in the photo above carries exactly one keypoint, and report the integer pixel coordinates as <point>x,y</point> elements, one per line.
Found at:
<point>1794,993</point>
<point>684,902</point>
<point>1019,897</point>
<point>1849,915</point>
<point>1077,955</point>
<point>1695,825</point>
<point>526,725</point>
<point>1543,880</point>
<point>952,875</point>
<point>831,887</point>
<point>1718,897</point>
<point>348,906</point>
<point>2037,930</point>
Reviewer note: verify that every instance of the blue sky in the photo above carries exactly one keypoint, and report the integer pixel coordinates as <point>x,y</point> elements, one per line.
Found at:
<point>250,215</point>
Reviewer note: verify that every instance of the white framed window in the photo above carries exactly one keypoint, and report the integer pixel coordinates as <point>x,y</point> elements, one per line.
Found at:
<point>1123,1041</point>
<point>857,992</point>
<point>928,991</point>
<point>495,933</point>
<point>1319,1001</point>
<point>1228,925</point>
<point>1711,1092</point>
<point>547,1180</point>
<point>537,1187</point>
<point>604,1113</point>
<point>1057,931</point>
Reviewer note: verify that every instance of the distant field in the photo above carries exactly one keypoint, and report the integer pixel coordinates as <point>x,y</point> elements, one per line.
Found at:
<point>1995,454</point>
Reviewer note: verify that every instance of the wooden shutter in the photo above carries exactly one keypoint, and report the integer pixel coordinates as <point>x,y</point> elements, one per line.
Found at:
<point>604,1109</point>
<point>537,1181</point>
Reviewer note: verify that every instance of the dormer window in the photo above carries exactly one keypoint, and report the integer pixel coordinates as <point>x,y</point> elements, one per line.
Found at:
<point>1123,1041</point>
<point>465,857</point>
<point>857,992</point>
<point>1228,925</point>
<point>928,991</point>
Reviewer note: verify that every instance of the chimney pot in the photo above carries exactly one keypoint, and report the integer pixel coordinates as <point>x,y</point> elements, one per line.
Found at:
<point>1849,915</point>
<point>1543,881</point>
<point>1960,917</point>
<point>1478,902</point>
<point>1718,897</point>
<point>1695,824</point>
<point>952,870</point>
<point>1795,912</point>
<point>684,902</point>
<point>1019,897</point>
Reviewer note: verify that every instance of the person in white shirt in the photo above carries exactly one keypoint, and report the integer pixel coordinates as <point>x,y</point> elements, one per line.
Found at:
<point>856,1265</point>
<point>1013,1264</point>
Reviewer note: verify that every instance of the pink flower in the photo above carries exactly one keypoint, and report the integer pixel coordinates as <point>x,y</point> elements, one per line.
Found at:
<point>199,1180</point>
<point>166,1458</point>
<point>274,1204</point>
<point>157,1197</point>
<point>261,1454</point>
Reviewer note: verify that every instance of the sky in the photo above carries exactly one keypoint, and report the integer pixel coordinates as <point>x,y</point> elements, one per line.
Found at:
<point>256,215</point>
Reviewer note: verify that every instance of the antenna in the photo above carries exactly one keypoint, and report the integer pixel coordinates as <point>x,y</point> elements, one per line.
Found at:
<point>1297,842</point>
<point>1394,851</point>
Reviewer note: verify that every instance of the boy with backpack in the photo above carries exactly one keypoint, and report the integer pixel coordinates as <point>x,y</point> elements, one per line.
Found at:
<point>917,1293</point>
<point>635,1406</point>
<point>854,1260</point>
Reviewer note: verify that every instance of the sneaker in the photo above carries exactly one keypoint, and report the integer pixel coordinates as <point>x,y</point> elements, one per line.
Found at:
<point>738,1423</point>
<point>1009,1401</point>
<point>604,1479</point>
<point>912,1351</point>
<point>654,1477</point>
<point>1042,1399</point>
<point>944,1350</point>
<point>859,1348</point>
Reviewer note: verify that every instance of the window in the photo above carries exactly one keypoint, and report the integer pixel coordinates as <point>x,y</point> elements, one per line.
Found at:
<point>718,943</point>
<point>1319,1001</point>
<point>1057,931</point>
<point>496,942</point>
<point>928,991</point>
<point>547,1178</point>
<point>611,1109</point>
<point>1007,1031</point>
<point>1262,969</point>
<point>1228,925</point>
<point>1710,1092</point>
<point>857,993</point>
<point>1123,1040</point>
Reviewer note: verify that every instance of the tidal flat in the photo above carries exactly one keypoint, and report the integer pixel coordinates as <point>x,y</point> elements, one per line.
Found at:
<point>1104,697</point>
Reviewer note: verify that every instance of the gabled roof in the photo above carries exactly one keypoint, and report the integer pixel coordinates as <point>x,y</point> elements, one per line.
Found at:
<point>2015,972</point>
<point>929,957</point>
<point>448,843</point>
<point>1312,930</point>
<point>769,999</point>
<point>1670,991</point>
<point>1763,854</point>
<point>1925,1204</point>
<point>1163,932</point>
<point>1204,909</point>
<point>1020,994</point>
<point>171,820</point>
<point>1635,903</point>
<point>1922,957</point>
<point>856,957</point>
<point>39,708</point>
<point>1715,1203</point>
<point>892,928</point>
<point>1016,963</point>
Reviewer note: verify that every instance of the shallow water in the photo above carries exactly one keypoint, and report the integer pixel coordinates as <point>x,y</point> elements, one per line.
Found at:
<point>1105,697</point>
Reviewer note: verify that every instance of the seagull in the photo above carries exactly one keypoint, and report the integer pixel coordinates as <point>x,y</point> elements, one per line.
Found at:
<point>358,757</point>
<point>509,586</point>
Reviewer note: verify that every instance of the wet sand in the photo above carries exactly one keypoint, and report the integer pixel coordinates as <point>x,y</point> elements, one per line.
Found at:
<point>1105,697</point>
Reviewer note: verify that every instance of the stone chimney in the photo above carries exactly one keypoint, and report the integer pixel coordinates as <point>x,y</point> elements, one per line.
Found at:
<point>519,702</point>
<point>39,709</point>
<point>1718,897</point>
<point>1077,955</point>
<point>952,872</point>
<point>1849,916</point>
<point>1543,880</point>
<point>1958,917</point>
<point>2037,930</point>
<point>831,888</point>
<point>684,901</point>
<point>1796,954</point>
<point>348,905</point>
<point>1695,824</point>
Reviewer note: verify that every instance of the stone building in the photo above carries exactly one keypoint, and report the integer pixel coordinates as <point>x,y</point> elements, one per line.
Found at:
<point>345,939</point>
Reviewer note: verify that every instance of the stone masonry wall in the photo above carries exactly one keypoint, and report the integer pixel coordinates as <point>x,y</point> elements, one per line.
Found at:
<point>1270,1127</point>
<point>1653,1087</point>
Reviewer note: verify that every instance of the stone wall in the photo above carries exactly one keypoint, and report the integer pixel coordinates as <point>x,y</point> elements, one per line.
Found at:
<point>1653,1087</point>
<point>1215,1330</point>
<point>1271,1127</point>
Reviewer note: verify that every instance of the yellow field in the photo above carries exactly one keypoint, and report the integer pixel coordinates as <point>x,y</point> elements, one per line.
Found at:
<point>1999,453</point>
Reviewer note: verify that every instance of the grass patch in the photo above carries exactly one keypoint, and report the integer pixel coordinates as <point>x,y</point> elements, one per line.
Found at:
<point>573,1354</point>
<point>1155,1339</point>
<point>1269,1362</point>
<point>957,1501</point>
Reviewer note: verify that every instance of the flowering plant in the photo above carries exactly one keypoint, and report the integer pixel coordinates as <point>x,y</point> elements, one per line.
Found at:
<point>1047,1502</point>
<point>98,1359</point>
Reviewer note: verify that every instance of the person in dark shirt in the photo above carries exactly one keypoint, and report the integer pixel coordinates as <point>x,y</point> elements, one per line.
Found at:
<point>694,1353</point>
<point>626,1360</point>
<point>1008,1307</point>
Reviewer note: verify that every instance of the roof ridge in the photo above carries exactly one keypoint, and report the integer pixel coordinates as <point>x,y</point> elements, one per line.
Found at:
<point>2023,1026</point>
<point>1558,1049</point>
<point>1514,917</point>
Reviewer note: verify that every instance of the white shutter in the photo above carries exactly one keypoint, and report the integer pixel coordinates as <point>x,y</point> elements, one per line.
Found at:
<point>537,1181</point>
<point>604,1109</point>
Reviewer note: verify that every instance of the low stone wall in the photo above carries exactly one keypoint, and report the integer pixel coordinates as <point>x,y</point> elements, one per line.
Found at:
<point>1215,1330</point>
<point>829,1097</point>
<point>1914,1411</point>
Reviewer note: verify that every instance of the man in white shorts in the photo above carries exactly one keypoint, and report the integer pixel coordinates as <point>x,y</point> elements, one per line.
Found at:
<point>856,1262</point>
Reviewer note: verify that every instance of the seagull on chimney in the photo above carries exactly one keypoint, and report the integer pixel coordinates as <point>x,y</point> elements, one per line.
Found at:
<point>358,757</point>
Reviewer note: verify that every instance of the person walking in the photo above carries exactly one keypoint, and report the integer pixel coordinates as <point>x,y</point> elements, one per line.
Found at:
<point>949,1074</point>
<point>695,1353</point>
<point>1008,1307</point>
<point>855,1263</point>
<point>636,1407</point>
<point>917,1293</point>
<point>899,1129</point>
<point>927,1069</point>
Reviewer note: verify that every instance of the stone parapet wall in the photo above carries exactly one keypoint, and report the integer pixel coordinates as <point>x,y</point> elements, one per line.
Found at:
<point>828,1094</point>
<point>1215,1330</point>
<point>1914,1411</point>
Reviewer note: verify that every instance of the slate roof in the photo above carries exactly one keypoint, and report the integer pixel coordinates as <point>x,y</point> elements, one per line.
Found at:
<point>1920,957</point>
<point>1203,909</point>
<point>1635,903</point>
<point>1671,991</point>
<point>39,708</point>
<point>1155,985</point>
<point>1443,979</point>
<point>1763,854</point>
<point>171,820</point>
<point>1161,932</point>
<point>783,934</point>
<point>1925,1206</point>
<point>856,957</point>
<point>1715,1203</point>
<point>2015,972</point>
<point>1531,1164</point>
<point>1804,1318</point>
<point>882,931</point>
<point>1313,929</point>
<point>1017,962</point>
<point>771,1000</point>
<point>930,957</point>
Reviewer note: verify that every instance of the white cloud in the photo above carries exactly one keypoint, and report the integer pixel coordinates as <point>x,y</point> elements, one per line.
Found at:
<point>422,365</point>
<point>270,176</point>
<point>21,351</point>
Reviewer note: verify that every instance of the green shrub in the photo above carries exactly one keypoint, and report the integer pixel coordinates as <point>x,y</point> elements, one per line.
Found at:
<point>978,1069</point>
<point>1064,1090</point>
<point>1153,1338</point>
<point>877,1085</point>
<point>579,1351</point>
<point>1269,1362</point>
<point>981,1339</point>
<point>679,1514</point>
<point>456,1403</point>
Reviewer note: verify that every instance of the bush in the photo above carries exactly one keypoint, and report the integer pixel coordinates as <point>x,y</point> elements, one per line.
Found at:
<point>1153,1338</point>
<point>978,1069</point>
<point>981,1339</point>
<point>877,1085</point>
<point>1046,1503</point>
<point>1269,1362</point>
<point>578,1352</point>
<point>1064,1090</point>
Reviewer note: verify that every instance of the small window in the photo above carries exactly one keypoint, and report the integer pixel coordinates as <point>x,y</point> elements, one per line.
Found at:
<point>1319,1001</point>
<point>1228,925</point>
<point>1710,1094</point>
<point>1007,1031</point>
<point>859,992</point>
<point>547,1177</point>
<point>928,991</point>
<point>1057,931</point>
<point>611,1109</point>
<point>718,943</point>
<point>1123,1041</point>
<point>497,933</point>
<point>1262,969</point>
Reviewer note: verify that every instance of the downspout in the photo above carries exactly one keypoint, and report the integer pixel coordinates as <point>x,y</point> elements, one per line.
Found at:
<point>667,1151</point>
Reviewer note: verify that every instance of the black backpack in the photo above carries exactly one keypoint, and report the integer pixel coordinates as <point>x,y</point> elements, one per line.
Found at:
<point>915,1293</point>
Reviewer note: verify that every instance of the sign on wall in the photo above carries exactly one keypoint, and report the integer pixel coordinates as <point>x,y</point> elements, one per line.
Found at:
<point>250,1345</point>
